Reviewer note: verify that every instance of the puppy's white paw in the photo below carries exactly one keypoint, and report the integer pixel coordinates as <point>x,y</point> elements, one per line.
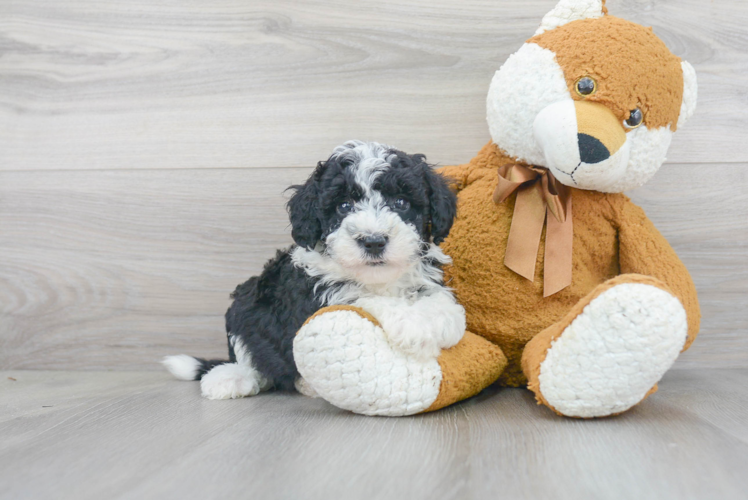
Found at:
<point>413,334</point>
<point>230,381</point>
<point>422,328</point>
<point>448,325</point>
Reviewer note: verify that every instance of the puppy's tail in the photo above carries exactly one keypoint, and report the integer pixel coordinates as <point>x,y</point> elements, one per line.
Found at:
<point>188,368</point>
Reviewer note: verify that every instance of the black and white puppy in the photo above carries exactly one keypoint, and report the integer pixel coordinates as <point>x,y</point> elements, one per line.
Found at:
<point>366,226</point>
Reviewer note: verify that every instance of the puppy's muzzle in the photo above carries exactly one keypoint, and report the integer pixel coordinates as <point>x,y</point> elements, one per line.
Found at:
<point>373,245</point>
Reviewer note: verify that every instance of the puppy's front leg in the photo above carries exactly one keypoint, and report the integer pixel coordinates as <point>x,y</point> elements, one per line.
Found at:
<point>421,328</point>
<point>443,317</point>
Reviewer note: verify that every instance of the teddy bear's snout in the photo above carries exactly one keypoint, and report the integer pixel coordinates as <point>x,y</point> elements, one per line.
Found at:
<point>599,133</point>
<point>583,143</point>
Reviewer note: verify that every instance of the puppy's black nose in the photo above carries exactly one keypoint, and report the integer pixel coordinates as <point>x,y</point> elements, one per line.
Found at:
<point>591,150</point>
<point>374,244</point>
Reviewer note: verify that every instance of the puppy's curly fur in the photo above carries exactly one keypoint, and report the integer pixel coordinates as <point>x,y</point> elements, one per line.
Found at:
<point>366,226</point>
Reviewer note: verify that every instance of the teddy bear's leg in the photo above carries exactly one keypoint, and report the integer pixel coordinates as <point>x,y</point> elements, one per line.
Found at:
<point>342,354</point>
<point>610,351</point>
<point>303,387</point>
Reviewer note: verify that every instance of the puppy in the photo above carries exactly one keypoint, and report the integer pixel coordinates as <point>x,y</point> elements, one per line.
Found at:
<point>366,226</point>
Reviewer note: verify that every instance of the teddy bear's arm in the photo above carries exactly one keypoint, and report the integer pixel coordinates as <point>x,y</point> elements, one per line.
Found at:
<point>643,250</point>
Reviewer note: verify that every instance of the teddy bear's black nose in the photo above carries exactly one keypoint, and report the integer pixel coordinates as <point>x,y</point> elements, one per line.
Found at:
<point>591,150</point>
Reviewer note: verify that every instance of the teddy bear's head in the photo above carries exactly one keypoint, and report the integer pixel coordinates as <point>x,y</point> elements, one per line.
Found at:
<point>593,98</point>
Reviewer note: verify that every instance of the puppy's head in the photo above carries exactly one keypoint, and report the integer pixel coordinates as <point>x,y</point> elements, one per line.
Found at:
<point>372,210</point>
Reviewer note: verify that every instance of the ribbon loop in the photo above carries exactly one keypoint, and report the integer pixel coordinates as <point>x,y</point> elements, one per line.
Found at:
<point>540,197</point>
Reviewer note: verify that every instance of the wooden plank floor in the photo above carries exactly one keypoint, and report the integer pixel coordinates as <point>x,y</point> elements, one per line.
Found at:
<point>142,435</point>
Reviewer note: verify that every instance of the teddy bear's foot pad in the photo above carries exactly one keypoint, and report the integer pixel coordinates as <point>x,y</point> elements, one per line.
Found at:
<point>612,354</point>
<point>347,360</point>
<point>344,356</point>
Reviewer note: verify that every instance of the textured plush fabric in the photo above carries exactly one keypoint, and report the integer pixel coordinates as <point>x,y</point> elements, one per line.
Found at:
<point>537,349</point>
<point>468,368</point>
<point>357,310</point>
<point>343,353</point>
<point>612,236</point>
<point>631,52</point>
<point>346,358</point>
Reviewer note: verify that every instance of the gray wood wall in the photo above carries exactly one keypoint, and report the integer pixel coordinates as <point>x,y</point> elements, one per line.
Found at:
<point>145,147</point>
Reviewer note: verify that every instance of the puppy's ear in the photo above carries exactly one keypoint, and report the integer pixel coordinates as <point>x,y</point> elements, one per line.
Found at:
<point>303,210</point>
<point>442,202</point>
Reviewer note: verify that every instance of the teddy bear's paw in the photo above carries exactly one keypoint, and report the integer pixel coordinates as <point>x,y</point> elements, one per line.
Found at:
<point>346,359</point>
<point>614,352</point>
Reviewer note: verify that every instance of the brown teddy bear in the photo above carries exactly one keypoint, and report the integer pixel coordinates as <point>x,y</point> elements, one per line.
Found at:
<point>579,295</point>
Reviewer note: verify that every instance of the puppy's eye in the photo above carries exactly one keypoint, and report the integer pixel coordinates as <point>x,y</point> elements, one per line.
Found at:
<point>636,117</point>
<point>345,207</point>
<point>585,86</point>
<point>401,204</point>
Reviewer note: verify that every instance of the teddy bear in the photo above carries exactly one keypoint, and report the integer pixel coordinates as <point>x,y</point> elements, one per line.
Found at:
<point>568,287</point>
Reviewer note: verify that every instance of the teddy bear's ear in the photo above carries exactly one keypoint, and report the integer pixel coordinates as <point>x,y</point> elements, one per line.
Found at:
<point>571,10</point>
<point>690,93</point>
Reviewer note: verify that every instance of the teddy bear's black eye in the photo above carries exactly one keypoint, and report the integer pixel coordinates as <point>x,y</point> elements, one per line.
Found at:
<point>345,207</point>
<point>636,117</point>
<point>586,86</point>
